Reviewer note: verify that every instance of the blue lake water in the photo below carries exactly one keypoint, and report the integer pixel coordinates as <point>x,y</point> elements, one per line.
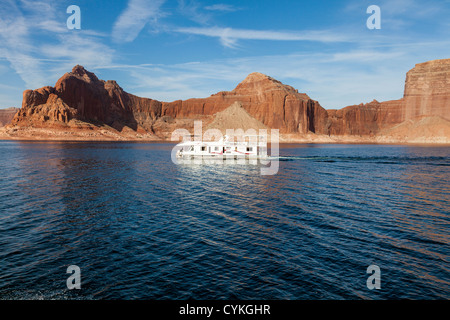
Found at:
<point>141,227</point>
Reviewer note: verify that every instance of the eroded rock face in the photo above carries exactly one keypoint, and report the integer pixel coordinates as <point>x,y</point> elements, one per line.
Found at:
<point>427,90</point>
<point>82,96</point>
<point>267,100</point>
<point>365,119</point>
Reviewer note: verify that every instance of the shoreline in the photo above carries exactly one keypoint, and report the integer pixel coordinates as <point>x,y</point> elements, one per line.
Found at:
<point>283,143</point>
<point>108,135</point>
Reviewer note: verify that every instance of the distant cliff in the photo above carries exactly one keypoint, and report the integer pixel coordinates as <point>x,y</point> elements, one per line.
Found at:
<point>6,115</point>
<point>80,101</point>
<point>427,90</point>
<point>427,94</point>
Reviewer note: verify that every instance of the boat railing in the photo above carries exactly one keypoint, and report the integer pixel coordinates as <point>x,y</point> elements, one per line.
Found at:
<point>247,140</point>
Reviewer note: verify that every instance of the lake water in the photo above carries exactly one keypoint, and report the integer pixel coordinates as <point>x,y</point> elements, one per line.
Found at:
<point>141,227</point>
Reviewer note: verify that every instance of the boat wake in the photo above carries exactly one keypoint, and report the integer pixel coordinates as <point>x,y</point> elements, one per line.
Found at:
<point>436,161</point>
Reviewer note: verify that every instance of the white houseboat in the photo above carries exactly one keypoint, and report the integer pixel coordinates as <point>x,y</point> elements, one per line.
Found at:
<point>248,147</point>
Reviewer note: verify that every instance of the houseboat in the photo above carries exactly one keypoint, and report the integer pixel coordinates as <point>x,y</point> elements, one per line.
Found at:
<point>247,147</point>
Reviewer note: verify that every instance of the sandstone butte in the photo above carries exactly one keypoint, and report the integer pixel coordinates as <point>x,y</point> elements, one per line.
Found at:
<point>82,107</point>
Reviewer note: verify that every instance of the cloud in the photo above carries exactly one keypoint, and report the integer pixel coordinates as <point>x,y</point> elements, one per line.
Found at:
<point>401,14</point>
<point>365,56</point>
<point>203,15</point>
<point>193,11</point>
<point>135,17</point>
<point>222,7</point>
<point>229,36</point>
<point>411,8</point>
<point>38,46</point>
<point>73,49</point>
<point>16,46</point>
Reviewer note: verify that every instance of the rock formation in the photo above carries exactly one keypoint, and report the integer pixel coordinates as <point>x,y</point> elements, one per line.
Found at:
<point>80,95</point>
<point>427,94</point>
<point>6,115</point>
<point>267,100</point>
<point>81,101</point>
<point>427,90</point>
<point>365,119</point>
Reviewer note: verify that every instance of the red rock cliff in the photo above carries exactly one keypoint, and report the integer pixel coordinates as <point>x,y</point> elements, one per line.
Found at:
<point>427,90</point>
<point>365,119</point>
<point>274,104</point>
<point>81,96</point>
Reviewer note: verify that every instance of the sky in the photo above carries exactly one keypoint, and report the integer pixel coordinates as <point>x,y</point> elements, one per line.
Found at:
<point>180,49</point>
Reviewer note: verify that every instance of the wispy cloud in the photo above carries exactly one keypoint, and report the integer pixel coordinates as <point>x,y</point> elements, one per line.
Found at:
<point>411,8</point>
<point>366,55</point>
<point>229,36</point>
<point>401,14</point>
<point>222,7</point>
<point>193,10</point>
<point>201,14</point>
<point>73,49</point>
<point>39,47</point>
<point>135,17</point>
<point>16,45</point>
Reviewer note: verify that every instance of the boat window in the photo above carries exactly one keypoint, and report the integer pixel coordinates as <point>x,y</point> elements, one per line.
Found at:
<point>191,148</point>
<point>249,149</point>
<point>203,148</point>
<point>216,148</point>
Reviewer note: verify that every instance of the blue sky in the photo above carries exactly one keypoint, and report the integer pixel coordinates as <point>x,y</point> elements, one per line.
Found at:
<point>180,49</point>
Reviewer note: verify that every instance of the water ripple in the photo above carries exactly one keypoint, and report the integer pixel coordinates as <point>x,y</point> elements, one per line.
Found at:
<point>141,227</point>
